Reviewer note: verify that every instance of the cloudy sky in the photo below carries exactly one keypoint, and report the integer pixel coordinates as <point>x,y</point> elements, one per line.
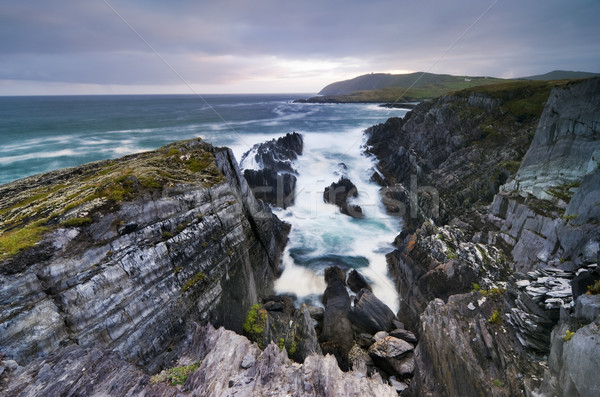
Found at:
<point>299,46</point>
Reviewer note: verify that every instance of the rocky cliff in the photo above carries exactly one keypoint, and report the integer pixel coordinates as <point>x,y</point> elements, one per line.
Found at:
<point>129,251</point>
<point>492,253</point>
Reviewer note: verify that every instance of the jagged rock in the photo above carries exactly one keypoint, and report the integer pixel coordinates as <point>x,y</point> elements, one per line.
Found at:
<point>566,144</point>
<point>371,315</point>
<point>336,334</point>
<point>460,353</point>
<point>288,327</point>
<point>356,282</point>
<point>229,365</point>
<point>394,356</point>
<point>404,335</point>
<point>438,262</point>
<point>269,171</point>
<point>204,249</point>
<point>339,193</point>
<point>276,155</point>
<point>573,364</point>
<point>272,187</point>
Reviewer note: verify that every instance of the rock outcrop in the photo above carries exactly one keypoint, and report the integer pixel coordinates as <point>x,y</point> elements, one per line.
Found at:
<point>339,193</point>
<point>484,223</point>
<point>130,251</point>
<point>278,321</point>
<point>220,363</point>
<point>269,171</point>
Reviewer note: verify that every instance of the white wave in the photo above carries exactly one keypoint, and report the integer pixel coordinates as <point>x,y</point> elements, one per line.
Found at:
<point>321,228</point>
<point>29,156</point>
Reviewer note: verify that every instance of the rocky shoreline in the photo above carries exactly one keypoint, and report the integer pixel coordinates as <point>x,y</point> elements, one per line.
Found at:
<point>141,263</point>
<point>491,256</point>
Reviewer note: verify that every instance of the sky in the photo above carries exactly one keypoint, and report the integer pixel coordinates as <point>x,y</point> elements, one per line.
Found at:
<point>56,47</point>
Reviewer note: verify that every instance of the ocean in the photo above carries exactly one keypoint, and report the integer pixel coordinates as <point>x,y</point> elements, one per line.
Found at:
<point>50,132</point>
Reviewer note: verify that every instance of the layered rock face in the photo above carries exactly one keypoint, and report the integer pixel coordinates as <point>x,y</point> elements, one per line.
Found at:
<point>566,144</point>
<point>133,250</point>
<point>517,256</point>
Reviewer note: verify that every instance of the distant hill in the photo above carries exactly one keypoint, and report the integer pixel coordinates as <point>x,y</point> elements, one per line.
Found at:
<point>414,87</point>
<point>378,81</point>
<point>384,87</point>
<point>561,75</point>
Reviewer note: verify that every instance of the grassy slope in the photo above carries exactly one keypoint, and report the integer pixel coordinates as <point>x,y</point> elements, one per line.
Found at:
<point>70,197</point>
<point>428,87</point>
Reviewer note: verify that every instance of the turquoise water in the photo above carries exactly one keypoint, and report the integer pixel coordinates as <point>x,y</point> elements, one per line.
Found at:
<point>45,133</point>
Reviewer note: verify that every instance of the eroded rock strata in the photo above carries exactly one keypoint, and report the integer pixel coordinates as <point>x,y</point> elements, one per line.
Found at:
<point>132,250</point>
<point>492,254</point>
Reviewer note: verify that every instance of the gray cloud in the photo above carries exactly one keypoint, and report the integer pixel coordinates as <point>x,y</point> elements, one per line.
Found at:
<point>231,41</point>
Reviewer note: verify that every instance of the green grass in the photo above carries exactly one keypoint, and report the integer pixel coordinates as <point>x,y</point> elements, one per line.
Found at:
<point>423,89</point>
<point>13,242</point>
<point>175,376</point>
<point>255,323</point>
<point>568,335</point>
<point>198,277</point>
<point>495,318</point>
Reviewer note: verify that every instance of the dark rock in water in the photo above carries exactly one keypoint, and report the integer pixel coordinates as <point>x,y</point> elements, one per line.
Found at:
<point>356,282</point>
<point>378,179</point>
<point>274,181</point>
<point>336,335</point>
<point>277,154</point>
<point>370,314</point>
<point>339,192</point>
<point>272,187</point>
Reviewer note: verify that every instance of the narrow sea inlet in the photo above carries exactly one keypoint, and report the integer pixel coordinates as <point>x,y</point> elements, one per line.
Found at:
<point>45,133</point>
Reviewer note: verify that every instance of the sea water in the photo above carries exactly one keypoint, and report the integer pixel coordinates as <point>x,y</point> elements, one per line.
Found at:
<point>43,133</point>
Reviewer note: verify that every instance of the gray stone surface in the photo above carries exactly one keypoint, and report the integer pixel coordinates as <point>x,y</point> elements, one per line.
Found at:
<point>197,253</point>
<point>587,308</point>
<point>230,365</point>
<point>566,144</point>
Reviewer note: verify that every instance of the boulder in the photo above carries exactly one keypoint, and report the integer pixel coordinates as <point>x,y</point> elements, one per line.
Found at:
<point>339,193</point>
<point>404,335</point>
<point>336,334</point>
<point>225,363</point>
<point>587,308</point>
<point>394,356</point>
<point>371,315</point>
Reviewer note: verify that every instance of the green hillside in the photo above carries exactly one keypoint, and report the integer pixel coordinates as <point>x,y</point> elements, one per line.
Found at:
<point>380,87</point>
